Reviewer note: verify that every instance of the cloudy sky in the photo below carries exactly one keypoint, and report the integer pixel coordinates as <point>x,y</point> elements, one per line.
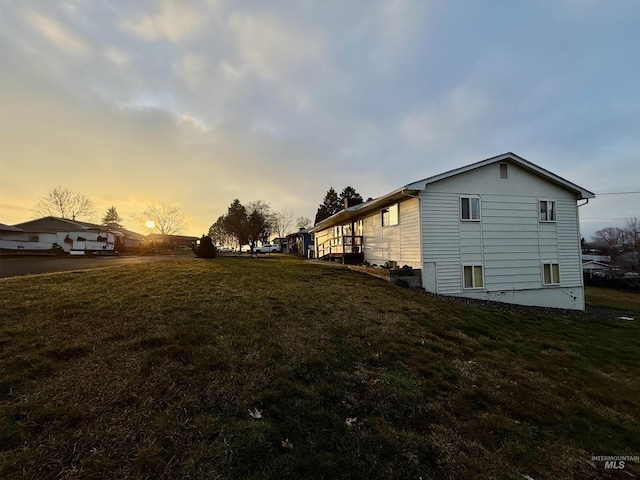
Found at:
<point>196,103</point>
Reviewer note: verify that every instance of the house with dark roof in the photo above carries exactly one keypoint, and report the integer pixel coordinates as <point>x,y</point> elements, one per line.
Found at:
<point>130,241</point>
<point>300,243</point>
<point>53,235</point>
<point>501,229</point>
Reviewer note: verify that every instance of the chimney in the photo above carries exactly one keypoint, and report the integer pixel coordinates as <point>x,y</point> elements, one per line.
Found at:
<point>350,202</point>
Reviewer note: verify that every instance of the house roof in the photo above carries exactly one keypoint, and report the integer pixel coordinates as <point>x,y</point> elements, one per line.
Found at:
<point>415,187</point>
<point>301,232</point>
<point>595,265</point>
<point>131,235</point>
<point>9,228</point>
<point>56,224</point>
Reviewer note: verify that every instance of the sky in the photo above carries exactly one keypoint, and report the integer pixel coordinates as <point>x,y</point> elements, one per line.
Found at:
<point>196,103</point>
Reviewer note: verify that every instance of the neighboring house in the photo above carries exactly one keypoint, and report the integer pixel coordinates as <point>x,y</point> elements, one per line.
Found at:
<point>130,241</point>
<point>501,229</point>
<point>593,268</point>
<point>171,242</point>
<point>281,242</point>
<point>299,243</point>
<point>53,235</point>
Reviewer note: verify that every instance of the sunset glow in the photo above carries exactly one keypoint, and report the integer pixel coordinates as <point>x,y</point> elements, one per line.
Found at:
<point>198,103</point>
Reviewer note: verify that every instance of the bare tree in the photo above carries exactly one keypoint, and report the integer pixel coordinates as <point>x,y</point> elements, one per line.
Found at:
<point>623,246</point>
<point>303,222</point>
<point>166,218</point>
<point>632,245</point>
<point>283,222</point>
<point>261,220</point>
<point>632,234</point>
<point>610,239</point>
<point>65,203</point>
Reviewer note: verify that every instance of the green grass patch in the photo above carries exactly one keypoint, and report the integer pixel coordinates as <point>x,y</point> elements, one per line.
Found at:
<point>274,368</point>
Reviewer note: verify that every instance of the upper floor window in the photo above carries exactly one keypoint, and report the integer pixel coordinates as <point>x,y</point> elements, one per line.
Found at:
<point>547,211</point>
<point>390,215</point>
<point>470,208</point>
<point>503,170</point>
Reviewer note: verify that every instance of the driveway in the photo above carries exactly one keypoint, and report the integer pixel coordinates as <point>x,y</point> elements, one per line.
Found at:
<point>16,266</point>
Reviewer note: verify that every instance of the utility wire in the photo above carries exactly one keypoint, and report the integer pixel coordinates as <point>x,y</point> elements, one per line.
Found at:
<point>616,193</point>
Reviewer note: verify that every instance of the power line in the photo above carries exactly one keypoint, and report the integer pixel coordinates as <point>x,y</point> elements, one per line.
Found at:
<point>616,193</point>
<point>603,218</point>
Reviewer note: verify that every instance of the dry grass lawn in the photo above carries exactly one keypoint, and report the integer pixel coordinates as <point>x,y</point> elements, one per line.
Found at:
<point>273,368</point>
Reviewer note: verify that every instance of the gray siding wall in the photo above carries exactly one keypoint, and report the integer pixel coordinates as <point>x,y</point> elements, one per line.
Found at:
<point>569,256</point>
<point>441,240</point>
<point>509,241</point>
<point>400,243</point>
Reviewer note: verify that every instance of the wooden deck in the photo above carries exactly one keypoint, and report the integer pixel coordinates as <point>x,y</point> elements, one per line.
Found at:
<point>346,250</point>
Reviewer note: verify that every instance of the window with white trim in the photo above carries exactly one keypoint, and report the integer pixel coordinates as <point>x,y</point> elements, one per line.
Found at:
<point>472,276</point>
<point>470,209</point>
<point>547,210</point>
<point>390,215</point>
<point>550,273</point>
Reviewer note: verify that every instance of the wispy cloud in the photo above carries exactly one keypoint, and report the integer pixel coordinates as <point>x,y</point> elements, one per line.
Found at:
<point>117,57</point>
<point>60,35</point>
<point>176,101</point>
<point>173,21</point>
<point>273,49</point>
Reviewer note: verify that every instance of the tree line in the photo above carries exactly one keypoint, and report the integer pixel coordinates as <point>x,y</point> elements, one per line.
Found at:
<point>241,225</point>
<point>622,245</point>
<point>334,203</point>
<point>254,223</point>
<point>615,241</point>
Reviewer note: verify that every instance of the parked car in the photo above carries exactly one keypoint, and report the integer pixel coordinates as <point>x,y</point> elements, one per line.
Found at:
<point>225,250</point>
<point>268,248</point>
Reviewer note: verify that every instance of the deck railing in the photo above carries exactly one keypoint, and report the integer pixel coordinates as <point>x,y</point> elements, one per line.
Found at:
<point>340,245</point>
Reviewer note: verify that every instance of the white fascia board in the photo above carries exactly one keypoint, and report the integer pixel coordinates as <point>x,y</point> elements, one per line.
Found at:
<point>361,208</point>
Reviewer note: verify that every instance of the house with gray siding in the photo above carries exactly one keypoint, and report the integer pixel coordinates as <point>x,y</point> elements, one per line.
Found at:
<point>502,229</point>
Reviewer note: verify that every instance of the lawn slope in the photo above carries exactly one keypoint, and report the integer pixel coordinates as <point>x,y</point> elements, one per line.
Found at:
<point>273,368</point>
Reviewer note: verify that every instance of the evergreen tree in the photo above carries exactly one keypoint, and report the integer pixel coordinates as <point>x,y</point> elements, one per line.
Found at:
<point>348,193</point>
<point>329,206</point>
<point>219,234</point>
<point>333,203</point>
<point>111,216</point>
<point>248,225</point>
<point>235,222</point>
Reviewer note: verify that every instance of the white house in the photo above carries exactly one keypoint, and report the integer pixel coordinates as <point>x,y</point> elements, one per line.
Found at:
<point>53,235</point>
<point>501,229</point>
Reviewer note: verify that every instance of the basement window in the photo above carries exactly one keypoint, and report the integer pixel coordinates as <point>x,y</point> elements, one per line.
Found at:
<point>472,276</point>
<point>390,215</point>
<point>550,274</point>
